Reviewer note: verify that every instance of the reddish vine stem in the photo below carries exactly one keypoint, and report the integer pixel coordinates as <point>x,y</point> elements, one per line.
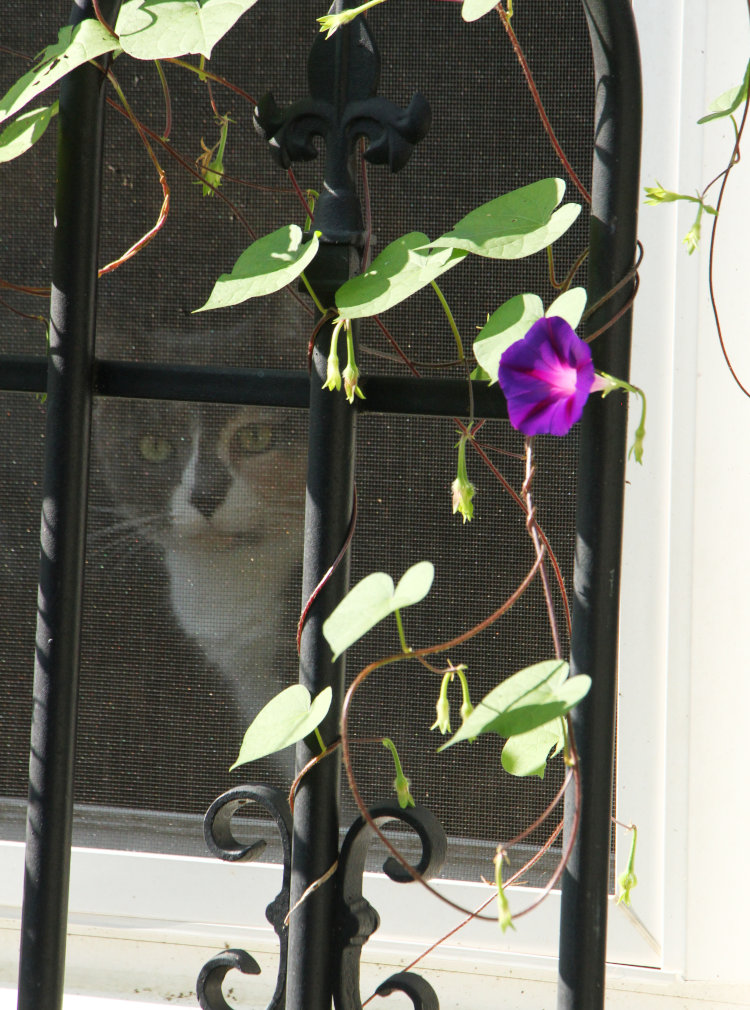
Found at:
<point>519,501</point>
<point>330,314</point>
<point>734,160</point>
<point>480,908</point>
<point>394,344</point>
<point>164,211</point>
<point>631,275</point>
<point>539,104</point>
<point>24,289</point>
<point>300,195</point>
<point>103,21</point>
<point>321,585</point>
<point>167,146</point>
<point>400,657</point>
<point>620,312</point>
<point>24,315</point>
<point>368,206</point>
<point>573,828</point>
<point>532,529</point>
<point>212,77</point>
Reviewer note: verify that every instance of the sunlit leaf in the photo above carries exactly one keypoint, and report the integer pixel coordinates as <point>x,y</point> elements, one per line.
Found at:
<point>505,326</point>
<point>287,718</point>
<point>160,29</point>
<point>373,599</point>
<point>472,10</point>
<point>530,698</point>
<point>268,265</point>
<point>402,268</point>
<point>569,306</point>
<point>23,132</point>
<point>528,753</point>
<point>514,225</point>
<point>730,101</point>
<point>76,44</point>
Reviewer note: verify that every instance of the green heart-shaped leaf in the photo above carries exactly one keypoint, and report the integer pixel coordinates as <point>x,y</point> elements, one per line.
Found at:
<point>268,265</point>
<point>729,102</point>
<point>528,753</point>
<point>530,698</point>
<point>373,599</point>
<point>514,225</point>
<point>75,45</point>
<point>24,131</point>
<point>402,268</point>
<point>161,29</point>
<point>472,10</point>
<point>505,326</point>
<point>569,306</point>
<point>287,718</point>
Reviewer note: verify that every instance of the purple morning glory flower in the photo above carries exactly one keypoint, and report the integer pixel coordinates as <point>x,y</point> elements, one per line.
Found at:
<point>547,377</point>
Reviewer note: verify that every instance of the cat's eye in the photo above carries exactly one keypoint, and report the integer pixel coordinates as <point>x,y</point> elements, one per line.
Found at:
<point>250,439</point>
<point>155,448</point>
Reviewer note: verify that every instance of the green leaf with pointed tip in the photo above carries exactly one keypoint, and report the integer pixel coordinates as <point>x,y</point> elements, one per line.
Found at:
<point>729,102</point>
<point>287,718</point>
<point>23,132</point>
<point>528,699</point>
<point>480,375</point>
<point>472,10</point>
<point>373,599</point>
<point>514,225</point>
<point>76,44</point>
<point>505,326</point>
<point>268,265</point>
<point>528,753</point>
<point>401,269</point>
<point>161,29</point>
<point>569,306</point>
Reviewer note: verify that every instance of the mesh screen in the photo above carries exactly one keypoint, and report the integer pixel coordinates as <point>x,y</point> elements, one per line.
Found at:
<point>171,668</point>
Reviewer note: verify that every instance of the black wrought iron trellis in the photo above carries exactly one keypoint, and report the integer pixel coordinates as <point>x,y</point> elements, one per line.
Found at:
<point>320,952</point>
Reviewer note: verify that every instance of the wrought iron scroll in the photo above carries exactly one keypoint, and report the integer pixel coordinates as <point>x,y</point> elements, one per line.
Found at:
<point>358,920</point>
<point>222,843</point>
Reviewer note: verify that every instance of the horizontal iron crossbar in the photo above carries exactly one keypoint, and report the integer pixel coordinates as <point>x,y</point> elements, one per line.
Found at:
<point>273,387</point>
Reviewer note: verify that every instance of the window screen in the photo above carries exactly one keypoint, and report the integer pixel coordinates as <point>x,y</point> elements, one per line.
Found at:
<point>187,630</point>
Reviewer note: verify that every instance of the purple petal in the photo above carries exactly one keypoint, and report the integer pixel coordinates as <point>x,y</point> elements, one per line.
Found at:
<point>547,377</point>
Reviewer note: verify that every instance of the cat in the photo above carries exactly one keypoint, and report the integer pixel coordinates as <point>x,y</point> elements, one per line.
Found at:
<point>219,492</point>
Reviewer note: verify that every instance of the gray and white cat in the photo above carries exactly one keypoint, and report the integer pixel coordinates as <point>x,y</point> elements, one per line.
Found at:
<point>220,492</point>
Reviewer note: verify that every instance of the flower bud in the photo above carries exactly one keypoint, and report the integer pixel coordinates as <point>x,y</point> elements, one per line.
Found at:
<point>443,708</point>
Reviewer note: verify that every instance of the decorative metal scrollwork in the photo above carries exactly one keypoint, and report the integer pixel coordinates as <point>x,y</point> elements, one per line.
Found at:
<point>223,844</point>
<point>358,920</point>
<point>420,992</point>
<point>341,108</point>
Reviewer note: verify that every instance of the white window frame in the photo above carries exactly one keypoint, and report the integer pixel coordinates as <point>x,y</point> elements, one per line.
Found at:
<point>684,606</point>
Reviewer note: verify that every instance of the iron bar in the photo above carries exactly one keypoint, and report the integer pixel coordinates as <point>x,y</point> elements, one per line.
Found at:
<point>270,387</point>
<point>69,391</point>
<point>599,510</point>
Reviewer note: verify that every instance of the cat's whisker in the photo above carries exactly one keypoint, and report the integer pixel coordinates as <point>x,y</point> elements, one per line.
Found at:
<point>143,524</point>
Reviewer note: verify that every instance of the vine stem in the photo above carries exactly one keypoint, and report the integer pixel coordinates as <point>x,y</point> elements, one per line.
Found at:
<point>430,650</point>
<point>539,104</point>
<point>532,529</point>
<point>167,146</point>
<point>164,211</point>
<point>203,73</point>
<point>459,345</point>
<point>734,160</point>
<point>519,501</point>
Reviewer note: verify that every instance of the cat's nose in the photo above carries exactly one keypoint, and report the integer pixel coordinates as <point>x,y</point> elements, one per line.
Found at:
<point>207,496</point>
